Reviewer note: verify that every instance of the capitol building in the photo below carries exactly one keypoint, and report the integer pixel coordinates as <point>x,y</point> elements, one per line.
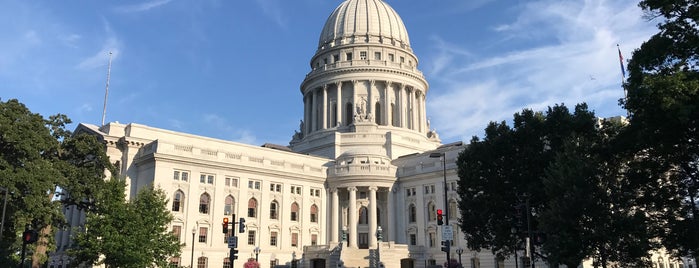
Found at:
<point>363,161</point>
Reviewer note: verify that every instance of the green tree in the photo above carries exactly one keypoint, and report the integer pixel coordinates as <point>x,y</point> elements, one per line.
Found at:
<point>127,234</point>
<point>663,101</point>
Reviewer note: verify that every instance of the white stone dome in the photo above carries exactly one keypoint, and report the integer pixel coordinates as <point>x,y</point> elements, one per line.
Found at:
<point>366,19</point>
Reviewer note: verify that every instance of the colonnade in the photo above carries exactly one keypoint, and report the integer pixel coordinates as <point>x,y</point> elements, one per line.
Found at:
<point>323,111</point>
<point>351,229</point>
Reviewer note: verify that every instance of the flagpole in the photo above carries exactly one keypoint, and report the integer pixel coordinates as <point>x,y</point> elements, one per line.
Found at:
<point>106,91</point>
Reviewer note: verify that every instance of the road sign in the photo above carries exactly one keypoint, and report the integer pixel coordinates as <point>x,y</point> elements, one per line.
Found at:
<point>232,242</point>
<point>447,233</point>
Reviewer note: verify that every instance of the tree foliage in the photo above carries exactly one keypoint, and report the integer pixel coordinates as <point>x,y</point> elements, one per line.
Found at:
<point>559,164</point>
<point>127,234</point>
<point>663,100</point>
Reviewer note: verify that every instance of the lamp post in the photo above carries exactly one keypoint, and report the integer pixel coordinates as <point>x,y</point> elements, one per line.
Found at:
<point>257,254</point>
<point>191,262</point>
<point>443,157</point>
<point>460,251</point>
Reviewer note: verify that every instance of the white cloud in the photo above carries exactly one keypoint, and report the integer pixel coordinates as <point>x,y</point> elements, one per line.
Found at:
<point>556,47</point>
<point>142,6</point>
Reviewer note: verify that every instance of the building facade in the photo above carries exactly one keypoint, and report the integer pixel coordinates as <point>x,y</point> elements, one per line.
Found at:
<point>358,165</point>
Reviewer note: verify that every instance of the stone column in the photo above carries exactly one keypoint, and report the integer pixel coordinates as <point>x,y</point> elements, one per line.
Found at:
<point>324,113</point>
<point>334,214</point>
<point>387,105</point>
<point>370,101</point>
<point>314,110</point>
<point>372,216</point>
<point>401,106</point>
<point>340,104</point>
<point>352,217</point>
<point>306,115</point>
<point>390,217</point>
<point>411,110</point>
<point>354,99</point>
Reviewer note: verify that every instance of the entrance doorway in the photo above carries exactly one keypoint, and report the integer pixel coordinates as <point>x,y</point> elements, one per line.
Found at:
<point>363,241</point>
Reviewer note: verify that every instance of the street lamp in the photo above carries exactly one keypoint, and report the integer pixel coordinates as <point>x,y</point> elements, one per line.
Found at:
<point>443,157</point>
<point>257,253</point>
<point>460,251</point>
<point>191,262</point>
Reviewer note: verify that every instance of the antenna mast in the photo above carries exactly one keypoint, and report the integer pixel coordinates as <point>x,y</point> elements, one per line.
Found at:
<point>106,91</point>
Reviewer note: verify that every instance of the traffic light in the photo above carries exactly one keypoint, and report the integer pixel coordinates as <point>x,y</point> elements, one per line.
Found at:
<point>225,225</point>
<point>30,236</point>
<point>445,245</point>
<point>440,217</point>
<point>234,254</point>
<point>241,225</point>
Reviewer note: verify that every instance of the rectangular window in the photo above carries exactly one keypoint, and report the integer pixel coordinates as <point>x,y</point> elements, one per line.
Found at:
<point>253,184</point>
<point>362,55</point>
<point>176,175</point>
<point>433,240</point>
<point>427,189</point>
<point>258,185</point>
<point>273,239</point>
<point>377,55</point>
<point>349,56</point>
<point>294,216</point>
<point>413,239</point>
<point>402,59</point>
<point>317,192</point>
<point>294,239</point>
<point>232,181</point>
<point>228,234</point>
<point>251,237</point>
<point>407,192</point>
<point>202,178</point>
<point>177,231</point>
<point>432,189</point>
<point>314,239</point>
<point>202,234</point>
<point>391,57</point>
<point>273,263</point>
<point>362,195</point>
<point>275,187</point>
<point>210,179</point>
<point>336,58</point>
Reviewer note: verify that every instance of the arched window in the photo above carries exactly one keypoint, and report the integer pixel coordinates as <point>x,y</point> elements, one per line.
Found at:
<point>412,212</point>
<point>431,212</point>
<point>202,262</point>
<point>349,113</point>
<point>294,212</point>
<point>229,206</point>
<point>204,201</point>
<point>363,215</point>
<point>178,201</point>
<point>252,208</point>
<point>274,210</point>
<point>377,113</point>
<point>314,213</point>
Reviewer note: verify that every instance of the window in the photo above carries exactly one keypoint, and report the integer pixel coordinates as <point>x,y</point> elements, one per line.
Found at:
<point>314,239</point>
<point>226,263</point>
<point>499,262</point>
<point>427,189</point>
<point>362,55</point>
<point>325,61</point>
<point>391,57</point>
<point>452,209</point>
<point>206,178</point>
<point>453,186</point>
<point>336,58</point>
<point>475,263</point>
<point>431,212</point>
<point>294,239</point>
<point>253,184</point>
<point>177,232</point>
<point>314,213</point>
<point>412,212</point>
<point>363,217</point>
<point>273,263</point>
<point>377,55</point>
<point>274,210</point>
<point>413,239</point>
<point>202,262</point>
<point>251,237</point>
<point>180,175</point>
<point>273,239</point>
<point>296,190</point>
<point>252,208</point>
<point>229,206</point>
<point>349,56</point>
<point>432,189</point>
<point>202,234</point>
<point>315,192</point>
<point>204,203</point>
<point>228,234</point>
<point>433,240</point>
<point>231,182</point>
<point>178,201</point>
<point>402,59</point>
<point>432,262</point>
<point>362,195</point>
<point>294,212</point>
<point>275,187</point>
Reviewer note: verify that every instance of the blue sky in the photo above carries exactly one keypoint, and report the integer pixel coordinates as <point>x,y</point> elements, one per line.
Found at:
<point>232,69</point>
